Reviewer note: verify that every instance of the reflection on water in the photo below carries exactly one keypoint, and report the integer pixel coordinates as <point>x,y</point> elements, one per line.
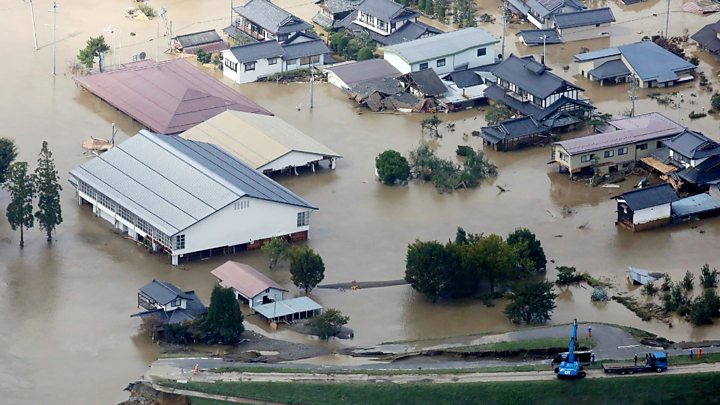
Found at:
<point>65,308</point>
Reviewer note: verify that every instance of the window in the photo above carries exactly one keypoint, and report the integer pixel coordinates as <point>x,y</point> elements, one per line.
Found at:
<point>305,60</point>
<point>303,218</point>
<point>659,144</point>
<point>315,59</point>
<point>392,26</point>
<point>176,302</point>
<point>642,146</point>
<point>241,205</point>
<point>180,242</point>
<point>609,153</point>
<point>585,158</point>
<point>482,52</point>
<point>423,65</point>
<point>272,61</point>
<point>597,25</point>
<point>249,66</point>
<point>622,151</point>
<point>441,62</point>
<point>231,65</point>
<point>291,62</point>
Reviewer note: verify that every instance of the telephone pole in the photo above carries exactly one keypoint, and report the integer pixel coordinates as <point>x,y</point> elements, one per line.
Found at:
<point>633,95</point>
<point>504,17</point>
<point>32,17</point>
<point>667,19</point>
<point>54,10</point>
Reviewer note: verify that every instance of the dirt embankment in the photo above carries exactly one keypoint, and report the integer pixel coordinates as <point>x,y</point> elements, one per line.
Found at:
<point>142,393</point>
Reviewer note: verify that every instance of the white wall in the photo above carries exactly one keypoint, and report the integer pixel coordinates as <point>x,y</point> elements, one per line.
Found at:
<point>398,62</point>
<point>292,158</point>
<point>262,69</point>
<point>469,57</point>
<point>336,81</point>
<point>274,294</point>
<point>230,226</point>
<point>651,214</point>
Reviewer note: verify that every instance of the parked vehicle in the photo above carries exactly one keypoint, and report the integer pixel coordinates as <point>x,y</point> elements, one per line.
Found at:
<point>571,368</point>
<point>584,357</point>
<point>655,362</point>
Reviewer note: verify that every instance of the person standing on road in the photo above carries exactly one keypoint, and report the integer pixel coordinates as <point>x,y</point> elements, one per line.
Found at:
<point>592,358</point>
<point>635,359</point>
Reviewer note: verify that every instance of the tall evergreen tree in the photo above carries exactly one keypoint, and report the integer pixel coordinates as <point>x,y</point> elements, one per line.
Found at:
<point>21,186</point>
<point>306,268</point>
<point>224,321</point>
<point>8,153</point>
<point>49,213</point>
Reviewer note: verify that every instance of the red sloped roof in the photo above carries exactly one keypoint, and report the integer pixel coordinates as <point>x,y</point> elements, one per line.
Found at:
<point>245,279</point>
<point>167,97</point>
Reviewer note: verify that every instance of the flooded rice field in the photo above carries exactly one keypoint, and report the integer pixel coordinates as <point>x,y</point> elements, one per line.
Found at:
<point>67,336</point>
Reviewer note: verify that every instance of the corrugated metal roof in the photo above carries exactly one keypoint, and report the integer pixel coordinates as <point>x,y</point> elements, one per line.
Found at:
<point>173,183</point>
<point>437,46</point>
<point>695,205</point>
<point>256,51</point>
<point>647,197</point>
<point>629,130</point>
<point>245,279</point>
<point>166,97</point>
<point>353,73</point>
<point>256,140</point>
<point>602,53</point>
<point>198,38</point>
<point>287,307</point>
<point>538,37</point>
<point>584,18</point>
<point>650,61</point>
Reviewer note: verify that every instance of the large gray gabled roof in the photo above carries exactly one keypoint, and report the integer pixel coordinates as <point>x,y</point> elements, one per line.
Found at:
<point>647,197</point>
<point>531,76</point>
<point>386,10</point>
<point>271,17</point>
<point>445,44</point>
<point>652,62</point>
<point>588,17</point>
<point>173,183</point>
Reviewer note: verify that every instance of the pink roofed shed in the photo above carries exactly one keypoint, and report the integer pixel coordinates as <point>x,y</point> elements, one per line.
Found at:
<point>248,283</point>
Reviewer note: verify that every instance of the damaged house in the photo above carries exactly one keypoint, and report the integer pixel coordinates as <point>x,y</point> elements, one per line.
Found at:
<point>412,92</point>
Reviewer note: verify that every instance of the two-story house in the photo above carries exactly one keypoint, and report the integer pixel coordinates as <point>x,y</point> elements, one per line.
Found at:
<point>386,22</point>
<point>529,88</point>
<point>540,13</point>
<point>333,11</point>
<point>697,158</point>
<point>248,63</point>
<point>167,303</point>
<point>264,21</point>
<point>444,53</point>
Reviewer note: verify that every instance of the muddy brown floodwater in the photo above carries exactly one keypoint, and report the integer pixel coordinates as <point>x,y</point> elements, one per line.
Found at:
<point>66,334</point>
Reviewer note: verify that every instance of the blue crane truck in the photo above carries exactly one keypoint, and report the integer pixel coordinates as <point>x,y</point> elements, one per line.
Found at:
<point>571,368</point>
<point>654,362</point>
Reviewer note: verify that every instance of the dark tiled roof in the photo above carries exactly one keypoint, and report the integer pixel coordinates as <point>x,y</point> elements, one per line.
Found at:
<point>707,172</point>
<point>609,70</point>
<point>535,37</point>
<point>311,47</point>
<point>271,17</point>
<point>465,78</point>
<point>584,17</point>
<point>707,37</point>
<point>647,197</point>
<point>386,10</point>
<point>547,7</point>
<point>548,115</point>
<point>198,38</point>
<point>194,308</point>
<point>162,292</point>
<point>256,51</point>
<point>298,46</point>
<point>426,81</point>
<point>339,6</point>
<point>693,145</point>
<point>510,129</point>
<point>530,76</point>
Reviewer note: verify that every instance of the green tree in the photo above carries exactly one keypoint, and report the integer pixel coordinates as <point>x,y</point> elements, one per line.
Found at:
<point>8,153</point>
<point>92,50</point>
<point>365,54</point>
<point>493,258</point>
<point>649,290</point>
<point>705,308</point>
<point>497,113</point>
<point>567,275</point>
<point>276,249</point>
<point>708,278</point>
<point>426,268</point>
<point>528,248</point>
<point>599,119</point>
<point>328,324</point>
<point>688,282</point>
<point>715,102</point>
<point>431,125</point>
<point>49,213</point>
<point>338,42</point>
<point>421,5</point>
<point>306,267</point>
<point>203,57</point>
<point>358,42</point>
<point>531,303</point>
<point>428,9</point>
<point>224,321</point>
<point>392,167</point>
<point>21,186</point>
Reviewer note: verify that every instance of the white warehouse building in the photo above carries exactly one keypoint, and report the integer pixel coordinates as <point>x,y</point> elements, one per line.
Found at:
<point>188,199</point>
<point>445,53</point>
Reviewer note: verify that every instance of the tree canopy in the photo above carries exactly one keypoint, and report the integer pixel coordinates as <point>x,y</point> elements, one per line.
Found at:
<point>365,53</point>
<point>328,324</point>
<point>21,186</point>
<point>705,308</point>
<point>306,267</point>
<point>529,249</point>
<point>392,167</point>
<point>431,269</point>
<point>92,50</point>
<point>276,249</point>
<point>49,213</point>
<point>8,153</point>
<point>531,303</point>
<point>497,113</point>
<point>224,320</point>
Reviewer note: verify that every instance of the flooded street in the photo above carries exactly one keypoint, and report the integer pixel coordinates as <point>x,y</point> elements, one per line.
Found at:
<point>67,336</point>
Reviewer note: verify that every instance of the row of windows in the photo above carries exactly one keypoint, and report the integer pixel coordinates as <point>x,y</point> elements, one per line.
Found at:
<point>441,62</point>
<point>611,153</point>
<point>231,65</point>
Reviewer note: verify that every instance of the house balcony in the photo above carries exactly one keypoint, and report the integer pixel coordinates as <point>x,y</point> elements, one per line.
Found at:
<point>518,97</point>
<point>249,31</point>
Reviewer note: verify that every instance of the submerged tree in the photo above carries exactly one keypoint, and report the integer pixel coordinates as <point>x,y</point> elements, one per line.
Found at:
<point>328,324</point>
<point>431,125</point>
<point>529,249</point>
<point>531,303</point>
<point>708,278</point>
<point>21,186</point>
<point>306,267</point>
<point>8,153</point>
<point>497,113</point>
<point>92,50</point>
<point>49,213</point>
<point>392,167</point>
<point>224,321</point>
<point>276,249</point>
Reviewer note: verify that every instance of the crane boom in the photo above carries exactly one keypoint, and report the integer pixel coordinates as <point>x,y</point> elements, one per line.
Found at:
<point>573,338</point>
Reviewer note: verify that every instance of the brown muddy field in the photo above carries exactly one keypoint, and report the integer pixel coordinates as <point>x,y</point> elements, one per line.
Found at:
<point>67,336</point>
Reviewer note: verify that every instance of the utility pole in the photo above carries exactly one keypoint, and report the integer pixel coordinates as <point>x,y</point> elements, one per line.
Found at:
<point>32,17</point>
<point>544,47</point>
<point>667,19</point>
<point>504,17</point>
<point>54,10</point>
<point>633,95</point>
<point>312,86</point>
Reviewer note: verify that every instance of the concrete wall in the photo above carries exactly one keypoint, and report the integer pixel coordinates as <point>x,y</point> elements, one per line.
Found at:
<point>584,32</point>
<point>233,225</point>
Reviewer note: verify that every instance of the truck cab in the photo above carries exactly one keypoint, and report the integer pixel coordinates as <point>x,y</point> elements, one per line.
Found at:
<point>658,361</point>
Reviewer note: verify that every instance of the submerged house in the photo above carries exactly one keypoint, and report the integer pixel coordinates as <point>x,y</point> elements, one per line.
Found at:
<point>708,38</point>
<point>571,26</point>
<point>267,143</point>
<point>249,285</point>
<point>169,304</point>
<point>350,74</point>
<point>531,89</point>
<point>386,22</point>
<point>648,62</point>
<point>331,12</point>
<point>259,60</point>
<point>444,53</point>
<point>515,134</point>
<point>207,41</point>
<point>541,13</point>
<point>187,199</point>
<point>646,207</point>
<point>617,146</point>
<point>697,159</point>
<point>262,20</point>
